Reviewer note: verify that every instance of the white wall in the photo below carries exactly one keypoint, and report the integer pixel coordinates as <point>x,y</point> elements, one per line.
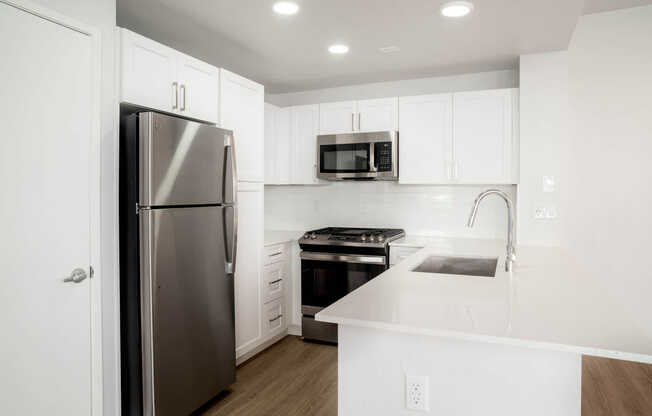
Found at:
<point>420,210</point>
<point>101,14</point>
<point>465,82</point>
<point>544,144</point>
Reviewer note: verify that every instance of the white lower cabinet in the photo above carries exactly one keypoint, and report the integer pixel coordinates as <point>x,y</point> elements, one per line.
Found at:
<point>247,283</point>
<point>276,273</point>
<point>275,321</point>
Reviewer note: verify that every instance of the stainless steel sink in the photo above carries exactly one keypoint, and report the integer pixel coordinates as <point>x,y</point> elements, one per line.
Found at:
<point>468,266</point>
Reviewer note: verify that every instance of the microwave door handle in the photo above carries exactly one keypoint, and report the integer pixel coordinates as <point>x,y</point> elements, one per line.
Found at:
<point>372,157</point>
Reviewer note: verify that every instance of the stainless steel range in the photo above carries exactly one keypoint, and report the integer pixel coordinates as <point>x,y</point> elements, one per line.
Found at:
<point>334,262</point>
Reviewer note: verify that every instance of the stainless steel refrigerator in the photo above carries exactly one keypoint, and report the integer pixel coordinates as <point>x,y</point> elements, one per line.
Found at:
<point>178,222</point>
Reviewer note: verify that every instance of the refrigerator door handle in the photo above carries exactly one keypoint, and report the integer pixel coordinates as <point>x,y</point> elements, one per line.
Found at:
<point>231,200</point>
<point>231,246</point>
<point>229,156</point>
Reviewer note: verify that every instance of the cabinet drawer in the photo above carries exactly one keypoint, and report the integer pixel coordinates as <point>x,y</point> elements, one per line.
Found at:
<point>274,321</point>
<point>273,281</point>
<point>274,254</point>
<point>398,254</point>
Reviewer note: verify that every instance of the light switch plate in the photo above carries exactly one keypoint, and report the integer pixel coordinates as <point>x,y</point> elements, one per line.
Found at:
<point>549,184</point>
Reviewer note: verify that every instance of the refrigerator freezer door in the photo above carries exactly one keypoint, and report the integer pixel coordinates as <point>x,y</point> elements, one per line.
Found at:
<point>182,162</point>
<point>188,331</point>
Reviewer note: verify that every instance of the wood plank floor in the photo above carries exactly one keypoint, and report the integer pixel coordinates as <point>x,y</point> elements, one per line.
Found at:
<point>295,378</point>
<point>291,378</point>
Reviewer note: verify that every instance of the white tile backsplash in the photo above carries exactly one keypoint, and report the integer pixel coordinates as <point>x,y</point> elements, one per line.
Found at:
<point>420,210</point>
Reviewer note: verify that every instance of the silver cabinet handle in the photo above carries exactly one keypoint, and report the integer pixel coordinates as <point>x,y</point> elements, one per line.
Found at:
<point>183,97</point>
<point>77,276</point>
<point>352,121</point>
<point>359,117</point>
<point>175,93</point>
<point>275,254</point>
<point>275,281</point>
<point>276,319</point>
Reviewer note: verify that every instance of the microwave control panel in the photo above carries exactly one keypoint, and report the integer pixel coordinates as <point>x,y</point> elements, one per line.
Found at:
<point>383,156</point>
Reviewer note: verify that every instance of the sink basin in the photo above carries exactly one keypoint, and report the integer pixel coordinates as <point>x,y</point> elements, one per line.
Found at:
<point>468,266</point>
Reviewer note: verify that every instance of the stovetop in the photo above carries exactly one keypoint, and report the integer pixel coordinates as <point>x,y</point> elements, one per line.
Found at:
<point>361,237</point>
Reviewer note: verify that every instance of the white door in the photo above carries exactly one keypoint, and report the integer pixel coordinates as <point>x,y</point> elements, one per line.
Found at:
<point>425,139</point>
<point>149,76</point>
<point>305,122</point>
<point>242,110</point>
<point>271,168</point>
<point>49,181</point>
<point>483,136</point>
<point>199,85</point>
<point>248,296</point>
<point>283,144</point>
<point>377,115</point>
<point>337,117</point>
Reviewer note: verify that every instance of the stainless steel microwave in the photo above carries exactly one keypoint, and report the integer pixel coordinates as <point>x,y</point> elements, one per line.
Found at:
<point>358,156</point>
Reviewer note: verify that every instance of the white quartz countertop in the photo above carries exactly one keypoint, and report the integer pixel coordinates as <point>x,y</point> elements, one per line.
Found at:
<point>414,241</point>
<point>280,236</point>
<point>550,300</point>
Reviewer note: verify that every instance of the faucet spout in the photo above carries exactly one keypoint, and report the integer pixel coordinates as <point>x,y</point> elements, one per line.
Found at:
<point>511,249</point>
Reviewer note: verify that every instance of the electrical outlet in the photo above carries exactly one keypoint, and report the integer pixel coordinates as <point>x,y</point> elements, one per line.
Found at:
<point>540,213</point>
<point>416,393</point>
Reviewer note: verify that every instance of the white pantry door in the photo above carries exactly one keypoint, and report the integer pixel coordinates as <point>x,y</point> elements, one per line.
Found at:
<point>48,193</point>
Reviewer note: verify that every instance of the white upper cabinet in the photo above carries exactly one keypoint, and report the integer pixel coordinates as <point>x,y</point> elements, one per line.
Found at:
<point>337,117</point>
<point>161,78</point>
<point>377,115</point>
<point>242,110</point>
<point>149,73</point>
<point>425,140</point>
<point>465,138</point>
<point>484,142</point>
<point>271,163</point>
<point>199,85</point>
<point>358,116</point>
<point>277,145</point>
<point>304,130</point>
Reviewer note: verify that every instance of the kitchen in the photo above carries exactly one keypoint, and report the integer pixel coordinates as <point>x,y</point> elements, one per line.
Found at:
<point>349,154</point>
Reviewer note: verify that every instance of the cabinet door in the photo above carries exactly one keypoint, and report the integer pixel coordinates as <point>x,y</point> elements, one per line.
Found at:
<point>337,117</point>
<point>425,139</point>
<point>248,296</point>
<point>283,147</point>
<point>242,110</point>
<point>377,115</point>
<point>198,89</point>
<point>483,140</point>
<point>148,73</point>
<point>304,122</point>
<point>271,167</point>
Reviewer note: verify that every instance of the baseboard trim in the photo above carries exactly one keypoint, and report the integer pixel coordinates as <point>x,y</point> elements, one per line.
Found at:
<point>294,330</point>
<point>251,354</point>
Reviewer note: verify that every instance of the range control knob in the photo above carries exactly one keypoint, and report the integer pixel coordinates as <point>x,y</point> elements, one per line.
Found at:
<point>363,237</point>
<point>372,238</point>
<point>313,236</point>
<point>306,236</point>
<point>381,238</point>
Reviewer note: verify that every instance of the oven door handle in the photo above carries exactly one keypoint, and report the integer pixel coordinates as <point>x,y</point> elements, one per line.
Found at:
<point>343,258</point>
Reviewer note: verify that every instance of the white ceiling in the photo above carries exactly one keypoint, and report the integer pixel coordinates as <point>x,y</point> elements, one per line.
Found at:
<point>289,53</point>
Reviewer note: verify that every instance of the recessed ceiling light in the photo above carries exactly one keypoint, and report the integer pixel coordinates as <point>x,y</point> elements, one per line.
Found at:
<point>286,7</point>
<point>456,8</point>
<point>338,49</point>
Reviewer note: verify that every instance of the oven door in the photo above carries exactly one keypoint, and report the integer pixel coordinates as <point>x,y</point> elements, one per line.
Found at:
<point>327,277</point>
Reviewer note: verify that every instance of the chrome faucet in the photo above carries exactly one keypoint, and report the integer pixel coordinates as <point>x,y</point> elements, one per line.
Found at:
<point>511,250</point>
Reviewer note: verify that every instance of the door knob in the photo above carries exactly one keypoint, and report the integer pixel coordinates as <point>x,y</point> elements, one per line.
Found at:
<point>76,276</point>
